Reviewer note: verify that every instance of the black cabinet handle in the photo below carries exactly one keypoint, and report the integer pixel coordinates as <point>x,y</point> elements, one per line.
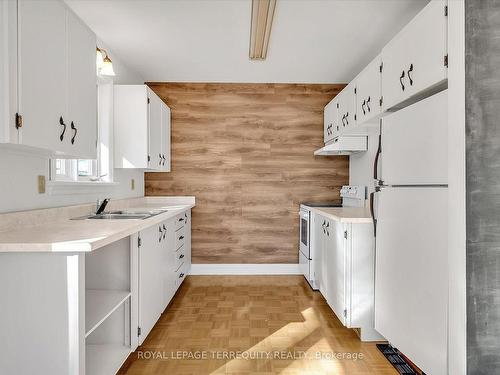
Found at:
<point>61,122</point>
<point>164,231</point>
<point>368,104</point>
<point>186,216</point>
<point>409,76</point>
<point>161,234</point>
<point>343,120</point>
<point>347,118</point>
<point>181,219</point>
<point>164,159</point>
<point>181,237</point>
<point>73,127</point>
<point>181,276</point>
<point>363,107</point>
<point>181,256</point>
<point>401,80</point>
<point>159,162</point>
<point>372,212</point>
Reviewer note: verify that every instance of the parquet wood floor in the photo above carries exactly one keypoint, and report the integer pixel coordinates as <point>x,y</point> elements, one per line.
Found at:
<point>278,318</point>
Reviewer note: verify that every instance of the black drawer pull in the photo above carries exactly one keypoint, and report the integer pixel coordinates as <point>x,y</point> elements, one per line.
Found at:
<point>401,80</point>
<point>61,122</point>
<point>164,231</point>
<point>181,276</point>
<point>181,237</point>
<point>363,107</point>
<point>161,234</point>
<point>181,256</point>
<point>368,104</point>
<point>181,219</point>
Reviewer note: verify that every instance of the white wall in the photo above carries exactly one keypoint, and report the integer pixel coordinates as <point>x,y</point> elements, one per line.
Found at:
<point>19,171</point>
<point>361,164</point>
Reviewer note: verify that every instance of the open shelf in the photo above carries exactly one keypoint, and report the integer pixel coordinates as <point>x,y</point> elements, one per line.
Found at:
<point>105,359</point>
<point>100,304</point>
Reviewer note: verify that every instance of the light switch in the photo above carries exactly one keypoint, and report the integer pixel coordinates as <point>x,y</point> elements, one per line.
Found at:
<point>41,184</point>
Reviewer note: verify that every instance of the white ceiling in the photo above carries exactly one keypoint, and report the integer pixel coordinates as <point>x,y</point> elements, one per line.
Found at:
<point>207,40</point>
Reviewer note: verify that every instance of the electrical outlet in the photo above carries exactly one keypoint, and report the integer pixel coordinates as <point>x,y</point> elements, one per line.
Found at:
<point>41,184</point>
<point>132,184</point>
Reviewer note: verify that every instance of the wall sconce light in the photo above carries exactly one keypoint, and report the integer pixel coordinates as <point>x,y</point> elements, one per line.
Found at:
<point>103,63</point>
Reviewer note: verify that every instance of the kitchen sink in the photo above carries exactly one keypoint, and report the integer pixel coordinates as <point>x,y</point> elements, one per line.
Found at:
<point>118,216</point>
<point>123,215</point>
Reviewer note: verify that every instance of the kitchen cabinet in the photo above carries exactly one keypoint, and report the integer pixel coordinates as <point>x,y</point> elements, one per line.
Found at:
<point>347,108</point>
<point>56,81</point>
<point>164,262</point>
<point>345,272</point>
<point>330,120</point>
<point>150,279</point>
<point>416,59</point>
<point>369,92</point>
<point>141,129</point>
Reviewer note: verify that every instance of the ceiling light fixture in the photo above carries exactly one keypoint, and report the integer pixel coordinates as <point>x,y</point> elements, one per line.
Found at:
<point>103,63</point>
<point>262,20</point>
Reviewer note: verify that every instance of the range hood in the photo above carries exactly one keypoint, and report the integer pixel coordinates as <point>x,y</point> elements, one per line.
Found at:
<point>344,146</point>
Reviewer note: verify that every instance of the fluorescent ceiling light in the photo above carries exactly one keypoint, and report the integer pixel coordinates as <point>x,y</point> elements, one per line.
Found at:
<point>262,20</point>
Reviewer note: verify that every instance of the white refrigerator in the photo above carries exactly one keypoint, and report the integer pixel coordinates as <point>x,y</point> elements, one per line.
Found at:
<point>410,211</point>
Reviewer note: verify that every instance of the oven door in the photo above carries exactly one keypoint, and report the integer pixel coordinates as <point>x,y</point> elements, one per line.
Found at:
<point>304,233</point>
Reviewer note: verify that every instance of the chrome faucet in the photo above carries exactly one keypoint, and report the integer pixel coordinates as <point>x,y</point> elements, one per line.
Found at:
<point>101,206</point>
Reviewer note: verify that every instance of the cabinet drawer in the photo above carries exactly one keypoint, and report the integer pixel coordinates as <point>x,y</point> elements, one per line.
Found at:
<point>180,257</point>
<point>180,220</point>
<point>180,275</point>
<point>180,236</point>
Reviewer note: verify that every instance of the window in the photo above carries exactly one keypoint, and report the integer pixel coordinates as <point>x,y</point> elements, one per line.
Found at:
<point>83,170</point>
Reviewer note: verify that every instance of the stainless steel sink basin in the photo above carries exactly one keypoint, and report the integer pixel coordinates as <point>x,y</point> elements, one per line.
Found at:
<point>119,216</point>
<point>123,215</point>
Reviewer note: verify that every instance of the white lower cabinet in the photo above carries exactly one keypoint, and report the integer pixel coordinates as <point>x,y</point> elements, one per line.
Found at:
<point>345,271</point>
<point>164,262</point>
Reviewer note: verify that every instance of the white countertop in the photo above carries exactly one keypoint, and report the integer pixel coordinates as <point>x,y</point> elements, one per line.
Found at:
<point>65,235</point>
<point>358,215</point>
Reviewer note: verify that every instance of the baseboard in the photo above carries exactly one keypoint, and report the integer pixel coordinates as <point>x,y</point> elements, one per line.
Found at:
<point>245,269</point>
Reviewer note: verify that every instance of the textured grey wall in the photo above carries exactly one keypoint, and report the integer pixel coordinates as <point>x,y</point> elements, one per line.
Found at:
<point>482,87</point>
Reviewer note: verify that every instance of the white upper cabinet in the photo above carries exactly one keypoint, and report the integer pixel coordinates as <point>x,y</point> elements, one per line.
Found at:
<point>82,89</point>
<point>42,75</point>
<point>141,129</point>
<point>369,92</point>
<point>165,136</point>
<point>55,93</point>
<point>347,107</point>
<point>330,120</point>
<point>411,67</point>
<point>415,60</point>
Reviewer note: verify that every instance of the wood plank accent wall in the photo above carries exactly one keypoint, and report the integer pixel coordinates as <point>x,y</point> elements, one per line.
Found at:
<point>246,152</point>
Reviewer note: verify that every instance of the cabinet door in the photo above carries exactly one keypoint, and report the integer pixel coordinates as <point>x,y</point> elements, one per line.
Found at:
<point>82,89</point>
<point>319,242</point>
<point>165,137</point>
<point>368,92</point>
<point>330,120</point>
<point>155,125</point>
<point>347,108</point>
<point>414,59</point>
<point>336,265</point>
<point>150,281</point>
<point>42,74</point>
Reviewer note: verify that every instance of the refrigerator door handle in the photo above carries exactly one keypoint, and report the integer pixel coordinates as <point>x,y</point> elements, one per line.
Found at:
<point>372,212</point>
<point>377,156</point>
